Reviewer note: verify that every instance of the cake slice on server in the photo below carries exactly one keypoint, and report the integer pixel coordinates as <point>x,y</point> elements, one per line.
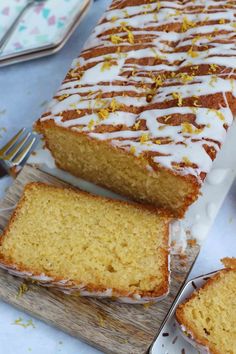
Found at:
<point>88,245</point>
<point>146,107</point>
<point>208,317</point>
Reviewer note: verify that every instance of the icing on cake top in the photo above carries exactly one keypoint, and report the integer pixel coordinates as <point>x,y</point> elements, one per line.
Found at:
<point>156,78</point>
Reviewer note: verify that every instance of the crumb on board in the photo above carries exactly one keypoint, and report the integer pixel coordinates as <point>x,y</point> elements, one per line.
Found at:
<point>179,277</point>
<point>60,342</point>
<point>173,243</point>
<point>20,322</point>
<point>192,242</point>
<point>182,256</point>
<point>101,320</point>
<point>23,288</point>
<point>148,304</point>
<point>33,153</point>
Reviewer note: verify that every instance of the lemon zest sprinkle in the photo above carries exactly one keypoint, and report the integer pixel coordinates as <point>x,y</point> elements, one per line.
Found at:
<point>91,124</point>
<point>62,97</point>
<point>115,39</point>
<point>136,125</point>
<point>133,150</point>
<point>23,288</point>
<point>186,24</point>
<point>213,80</point>
<point>177,96</point>
<point>114,18</point>
<point>192,54</point>
<point>103,113</point>
<point>189,129</point>
<point>19,322</point>
<point>186,160</point>
<point>220,115</point>
<point>144,138</point>
<point>213,67</point>
<point>130,37</point>
<point>107,64</point>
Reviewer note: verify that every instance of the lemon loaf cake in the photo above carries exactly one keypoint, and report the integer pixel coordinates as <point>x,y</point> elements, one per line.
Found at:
<point>145,108</point>
<point>88,244</point>
<point>209,315</point>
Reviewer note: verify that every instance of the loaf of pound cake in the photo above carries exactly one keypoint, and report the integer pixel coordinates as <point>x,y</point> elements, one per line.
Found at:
<point>208,317</point>
<point>88,245</point>
<point>146,107</point>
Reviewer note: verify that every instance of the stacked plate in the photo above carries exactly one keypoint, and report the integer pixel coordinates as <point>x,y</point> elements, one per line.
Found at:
<point>37,27</point>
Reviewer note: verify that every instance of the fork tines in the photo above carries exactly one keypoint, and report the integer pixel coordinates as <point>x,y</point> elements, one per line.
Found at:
<point>17,149</point>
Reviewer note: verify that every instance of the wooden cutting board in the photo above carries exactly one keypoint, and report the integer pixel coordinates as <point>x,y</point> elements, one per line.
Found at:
<point>106,325</point>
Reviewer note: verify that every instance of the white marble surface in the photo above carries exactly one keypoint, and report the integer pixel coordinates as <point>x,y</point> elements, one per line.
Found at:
<point>24,90</point>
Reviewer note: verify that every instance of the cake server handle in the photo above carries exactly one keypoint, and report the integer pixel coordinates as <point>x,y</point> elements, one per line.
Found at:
<point>4,40</point>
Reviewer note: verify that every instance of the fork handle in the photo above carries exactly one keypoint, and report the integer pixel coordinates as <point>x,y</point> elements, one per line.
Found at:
<point>11,29</point>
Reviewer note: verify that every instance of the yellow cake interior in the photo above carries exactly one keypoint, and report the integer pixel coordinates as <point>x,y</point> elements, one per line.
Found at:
<point>90,240</point>
<point>123,173</point>
<point>210,315</point>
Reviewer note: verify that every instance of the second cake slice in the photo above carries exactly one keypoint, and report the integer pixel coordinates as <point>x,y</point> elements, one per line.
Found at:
<point>88,244</point>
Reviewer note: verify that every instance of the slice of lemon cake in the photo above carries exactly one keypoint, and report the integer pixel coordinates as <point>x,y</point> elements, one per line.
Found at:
<point>88,244</point>
<point>146,107</point>
<point>209,315</point>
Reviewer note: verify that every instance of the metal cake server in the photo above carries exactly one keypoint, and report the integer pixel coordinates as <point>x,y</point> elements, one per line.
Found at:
<point>16,151</point>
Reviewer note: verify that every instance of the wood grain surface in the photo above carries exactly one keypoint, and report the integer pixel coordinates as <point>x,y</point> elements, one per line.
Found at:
<point>107,325</point>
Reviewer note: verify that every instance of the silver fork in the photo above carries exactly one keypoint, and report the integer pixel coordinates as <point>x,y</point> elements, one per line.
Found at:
<point>16,151</point>
<point>9,32</point>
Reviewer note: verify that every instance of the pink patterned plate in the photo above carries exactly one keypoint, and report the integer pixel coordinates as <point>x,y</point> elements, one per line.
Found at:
<point>43,30</point>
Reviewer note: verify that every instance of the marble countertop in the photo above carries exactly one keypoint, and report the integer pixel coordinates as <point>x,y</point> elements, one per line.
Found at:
<point>24,91</point>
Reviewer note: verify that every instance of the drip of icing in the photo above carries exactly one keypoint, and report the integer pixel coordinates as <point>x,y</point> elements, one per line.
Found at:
<point>178,237</point>
<point>211,210</point>
<point>217,175</point>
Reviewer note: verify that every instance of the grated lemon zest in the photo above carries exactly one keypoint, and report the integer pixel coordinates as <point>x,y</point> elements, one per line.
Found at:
<point>103,113</point>
<point>177,95</point>
<point>91,124</point>
<point>115,39</point>
<point>133,150</point>
<point>144,138</point>
<point>186,24</point>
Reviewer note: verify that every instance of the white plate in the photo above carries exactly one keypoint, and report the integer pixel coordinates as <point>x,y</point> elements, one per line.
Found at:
<point>170,339</point>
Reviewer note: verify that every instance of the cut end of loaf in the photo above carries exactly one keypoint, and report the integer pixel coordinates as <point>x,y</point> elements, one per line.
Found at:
<point>115,169</point>
<point>208,316</point>
<point>94,244</point>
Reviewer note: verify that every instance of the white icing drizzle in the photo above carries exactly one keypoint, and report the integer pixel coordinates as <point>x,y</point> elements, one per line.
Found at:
<point>183,54</point>
<point>189,337</point>
<point>68,287</point>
